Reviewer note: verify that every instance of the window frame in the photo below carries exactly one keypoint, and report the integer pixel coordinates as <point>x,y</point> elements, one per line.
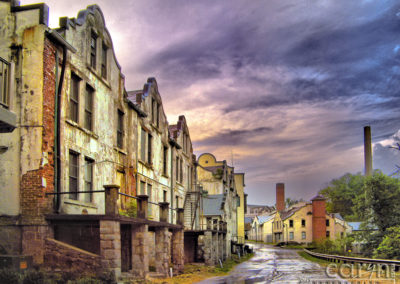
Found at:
<point>89,108</point>
<point>291,223</point>
<point>73,196</point>
<point>291,235</point>
<point>74,94</point>
<point>104,57</point>
<point>93,50</point>
<point>327,222</point>
<point>165,158</point>
<point>120,128</point>
<point>149,151</point>
<point>89,161</point>
<point>303,223</point>
<point>5,66</point>
<point>303,235</point>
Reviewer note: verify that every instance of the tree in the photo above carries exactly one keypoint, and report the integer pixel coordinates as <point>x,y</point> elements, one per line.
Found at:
<point>290,202</point>
<point>389,248</point>
<point>342,194</point>
<point>382,201</point>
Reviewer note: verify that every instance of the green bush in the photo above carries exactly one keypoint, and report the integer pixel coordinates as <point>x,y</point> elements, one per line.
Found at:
<point>131,209</point>
<point>389,248</point>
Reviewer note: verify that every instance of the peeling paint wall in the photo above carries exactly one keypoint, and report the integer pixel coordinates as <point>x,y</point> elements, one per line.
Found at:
<point>98,143</point>
<point>151,174</point>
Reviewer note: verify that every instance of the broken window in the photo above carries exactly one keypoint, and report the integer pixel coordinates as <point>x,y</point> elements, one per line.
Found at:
<point>93,50</point>
<point>88,179</point>
<point>327,234</point>
<point>143,145</point>
<point>290,223</point>
<point>73,175</point>
<point>303,222</point>
<point>4,79</point>
<point>120,130</point>
<point>74,98</point>
<point>89,108</point>
<point>327,222</point>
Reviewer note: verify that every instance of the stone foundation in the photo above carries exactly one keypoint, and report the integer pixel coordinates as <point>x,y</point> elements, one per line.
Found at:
<point>140,250</point>
<point>178,253</point>
<point>162,257</point>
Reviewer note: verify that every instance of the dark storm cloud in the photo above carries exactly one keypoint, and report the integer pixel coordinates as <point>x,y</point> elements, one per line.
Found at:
<point>233,137</point>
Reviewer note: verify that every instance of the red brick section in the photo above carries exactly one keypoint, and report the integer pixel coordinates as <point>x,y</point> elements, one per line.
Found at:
<point>34,202</point>
<point>319,218</point>
<point>280,196</point>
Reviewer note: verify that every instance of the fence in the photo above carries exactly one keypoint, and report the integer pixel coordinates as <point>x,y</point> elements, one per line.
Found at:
<point>360,260</point>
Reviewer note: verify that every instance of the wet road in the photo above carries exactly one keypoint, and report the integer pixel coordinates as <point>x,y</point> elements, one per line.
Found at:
<point>274,265</point>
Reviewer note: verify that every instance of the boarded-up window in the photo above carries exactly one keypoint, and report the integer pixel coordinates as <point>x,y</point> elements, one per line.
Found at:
<point>89,107</point>
<point>73,175</point>
<point>74,98</point>
<point>88,179</point>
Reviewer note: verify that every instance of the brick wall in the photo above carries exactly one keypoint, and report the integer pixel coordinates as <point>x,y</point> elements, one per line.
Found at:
<point>34,184</point>
<point>60,256</point>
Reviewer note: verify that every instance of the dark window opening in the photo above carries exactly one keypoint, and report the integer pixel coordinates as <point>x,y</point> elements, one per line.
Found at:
<point>291,223</point>
<point>104,62</point>
<point>327,222</point>
<point>303,223</point>
<point>89,108</point>
<point>93,50</point>
<point>165,158</point>
<point>149,149</point>
<point>120,130</point>
<point>73,175</point>
<point>74,98</point>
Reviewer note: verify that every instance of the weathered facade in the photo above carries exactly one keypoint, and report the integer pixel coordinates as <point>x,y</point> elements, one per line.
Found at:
<point>239,182</point>
<point>70,169</point>
<point>217,178</point>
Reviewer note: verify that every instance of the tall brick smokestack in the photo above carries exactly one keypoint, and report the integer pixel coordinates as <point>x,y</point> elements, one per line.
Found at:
<point>280,196</point>
<point>367,151</point>
<point>318,218</point>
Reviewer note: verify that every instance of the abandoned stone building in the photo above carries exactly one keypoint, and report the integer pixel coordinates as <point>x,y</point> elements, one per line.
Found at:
<point>220,206</point>
<point>92,177</point>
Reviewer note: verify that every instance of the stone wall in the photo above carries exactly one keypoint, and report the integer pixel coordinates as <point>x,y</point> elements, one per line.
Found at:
<point>60,256</point>
<point>110,246</point>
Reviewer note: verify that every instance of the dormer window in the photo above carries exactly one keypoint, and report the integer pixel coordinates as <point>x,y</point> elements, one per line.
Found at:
<point>93,50</point>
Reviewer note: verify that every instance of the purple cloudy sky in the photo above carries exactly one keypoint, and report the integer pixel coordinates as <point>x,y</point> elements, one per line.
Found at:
<point>286,86</point>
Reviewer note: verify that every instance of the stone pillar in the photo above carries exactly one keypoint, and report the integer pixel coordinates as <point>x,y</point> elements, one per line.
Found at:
<point>110,246</point>
<point>142,204</point>
<point>180,216</point>
<point>209,223</point>
<point>215,247</point>
<point>163,211</point>
<point>140,250</point>
<point>111,197</point>
<point>208,248</point>
<point>178,253</point>
<point>221,246</point>
<point>162,258</point>
<point>224,246</point>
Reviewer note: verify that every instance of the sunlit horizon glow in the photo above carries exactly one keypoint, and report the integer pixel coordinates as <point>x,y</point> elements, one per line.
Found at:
<point>282,88</point>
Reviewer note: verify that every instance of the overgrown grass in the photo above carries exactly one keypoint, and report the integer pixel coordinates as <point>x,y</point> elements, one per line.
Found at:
<point>305,255</point>
<point>198,272</point>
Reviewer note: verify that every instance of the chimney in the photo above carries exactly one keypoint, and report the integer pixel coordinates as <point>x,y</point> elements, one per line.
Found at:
<point>280,196</point>
<point>367,151</point>
<point>318,218</point>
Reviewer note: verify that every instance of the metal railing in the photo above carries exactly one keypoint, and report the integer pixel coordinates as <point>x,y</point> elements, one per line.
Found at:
<point>348,259</point>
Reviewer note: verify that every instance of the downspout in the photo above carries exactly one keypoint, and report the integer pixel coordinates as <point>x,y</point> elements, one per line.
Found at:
<point>58,123</point>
